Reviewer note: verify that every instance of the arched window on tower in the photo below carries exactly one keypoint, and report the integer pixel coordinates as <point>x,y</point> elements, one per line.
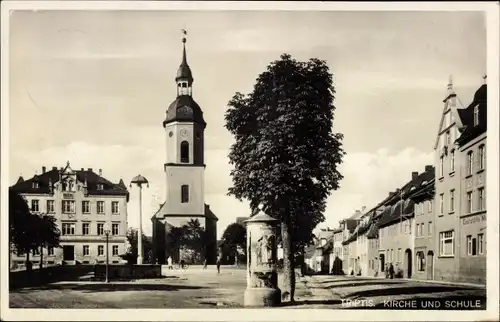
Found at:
<point>184,152</point>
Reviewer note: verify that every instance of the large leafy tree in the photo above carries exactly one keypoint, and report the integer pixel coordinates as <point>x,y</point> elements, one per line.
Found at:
<point>47,233</point>
<point>132,252</point>
<point>286,154</point>
<point>235,238</point>
<point>28,231</point>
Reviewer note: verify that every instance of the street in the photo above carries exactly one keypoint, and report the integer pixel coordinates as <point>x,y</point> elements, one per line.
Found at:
<point>197,288</point>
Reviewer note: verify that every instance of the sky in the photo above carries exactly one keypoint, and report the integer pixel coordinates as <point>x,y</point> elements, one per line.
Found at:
<point>92,88</point>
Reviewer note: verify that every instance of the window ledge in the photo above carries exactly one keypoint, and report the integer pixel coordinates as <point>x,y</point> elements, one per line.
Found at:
<point>480,171</point>
<point>452,174</point>
<point>468,176</point>
<point>441,178</point>
<point>446,256</point>
<point>451,212</point>
<point>440,215</point>
<point>473,213</point>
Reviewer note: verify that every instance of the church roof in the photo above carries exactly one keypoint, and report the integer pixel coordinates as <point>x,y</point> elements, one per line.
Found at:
<point>52,176</point>
<point>184,72</point>
<point>184,108</point>
<point>160,213</point>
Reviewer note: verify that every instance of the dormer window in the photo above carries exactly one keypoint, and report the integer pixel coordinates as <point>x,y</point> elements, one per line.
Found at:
<point>476,115</point>
<point>35,185</point>
<point>100,186</point>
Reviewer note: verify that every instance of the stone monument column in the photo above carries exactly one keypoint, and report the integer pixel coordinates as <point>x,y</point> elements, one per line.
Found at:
<point>262,277</point>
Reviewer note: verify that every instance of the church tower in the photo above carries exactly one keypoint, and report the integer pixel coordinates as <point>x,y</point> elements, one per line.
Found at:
<point>184,173</point>
<point>184,132</point>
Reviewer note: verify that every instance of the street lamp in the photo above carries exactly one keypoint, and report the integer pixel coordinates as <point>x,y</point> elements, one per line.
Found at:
<point>139,181</point>
<point>107,231</point>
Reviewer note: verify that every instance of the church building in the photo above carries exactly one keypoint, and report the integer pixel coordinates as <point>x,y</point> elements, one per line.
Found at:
<point>184,228</point>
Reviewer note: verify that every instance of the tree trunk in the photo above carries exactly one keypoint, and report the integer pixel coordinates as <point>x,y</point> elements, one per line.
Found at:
<point>288,285</point>
<point>41,257</point>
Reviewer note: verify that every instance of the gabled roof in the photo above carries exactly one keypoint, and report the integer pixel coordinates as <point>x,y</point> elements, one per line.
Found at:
<point>453,110</point>
<point>404,207</point>
<point>469,130</point>
<point>160,213</point>
<point>45,180</point>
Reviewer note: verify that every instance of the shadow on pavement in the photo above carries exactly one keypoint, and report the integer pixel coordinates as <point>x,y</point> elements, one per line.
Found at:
<point>350,284</point>
<point>343,279</point>
<point>311,302</point>
<point>405,290</point>
<point>111,287</point>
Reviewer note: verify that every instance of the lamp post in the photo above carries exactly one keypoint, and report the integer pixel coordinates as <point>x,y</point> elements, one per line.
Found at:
<point>107,231</point>
<point>139,181</point>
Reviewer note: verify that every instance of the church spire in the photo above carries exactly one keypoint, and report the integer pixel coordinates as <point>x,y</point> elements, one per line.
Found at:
<point>450,86</point>
<point>184,78</point>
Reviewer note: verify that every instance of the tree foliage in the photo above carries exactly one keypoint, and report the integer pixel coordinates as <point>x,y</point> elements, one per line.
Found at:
<point>235,235</point>
<point>286,154</point>
<point>29,231</point>
<point>132,252</point>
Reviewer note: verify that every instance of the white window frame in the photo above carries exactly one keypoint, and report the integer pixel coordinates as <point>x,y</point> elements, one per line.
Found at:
<point>429,228</point>
<point>480,244</point>
<point>35,205</point>
<point>100,210</point>
<point>476,115</point>
<point>86,250</point>
<point>68,207</point>
<point>469,204</point>
<point>67,228</point>
<point>113,226</point>
<point>452,200</point>
<point>100,229</point>
<point>442,242</point>
<point>100,250</point>
<point>115,207</point>
<point>51,206</point>
<point>469,245</point>
<point>86,207</point>
<point>482,157</point>
<point>452,161</point>
<point>115,247</point>
<point>441,166</point>
<point>85,225</point>
<point>481,205</point>
<point>470,162</point>
<point>441,204</point>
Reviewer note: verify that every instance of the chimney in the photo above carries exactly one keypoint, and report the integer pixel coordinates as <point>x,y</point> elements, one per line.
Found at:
<point>414,175</point>
<point>82,169</point>
<point>89,169</point>
<point>43,169</point>
<point>428,168</point>
<point>54,168</point>
<point>100,172</point>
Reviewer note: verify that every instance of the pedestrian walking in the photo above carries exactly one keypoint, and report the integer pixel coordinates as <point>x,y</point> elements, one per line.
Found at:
<point>169,263</point>
<point>218,264</point>
<point>391,271</point>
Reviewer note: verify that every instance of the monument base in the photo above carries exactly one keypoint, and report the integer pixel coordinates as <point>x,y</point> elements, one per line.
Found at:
<point>262,297</point>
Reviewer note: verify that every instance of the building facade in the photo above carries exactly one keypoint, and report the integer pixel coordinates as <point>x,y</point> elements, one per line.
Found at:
<point>184,176</point>
<point>84,204</point>
<point>423,198</point>
<point>473,217</point>
<point>447,185</point>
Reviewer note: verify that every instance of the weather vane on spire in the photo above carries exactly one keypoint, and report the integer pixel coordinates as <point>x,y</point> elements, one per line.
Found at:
<point>184,35</point>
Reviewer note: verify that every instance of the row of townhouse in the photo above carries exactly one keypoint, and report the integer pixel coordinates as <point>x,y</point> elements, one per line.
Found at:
<point>434,226</point>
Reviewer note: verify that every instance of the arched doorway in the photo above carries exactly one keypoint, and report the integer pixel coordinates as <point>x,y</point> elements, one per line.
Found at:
<point>409,264</point>
<point>430,265</point>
